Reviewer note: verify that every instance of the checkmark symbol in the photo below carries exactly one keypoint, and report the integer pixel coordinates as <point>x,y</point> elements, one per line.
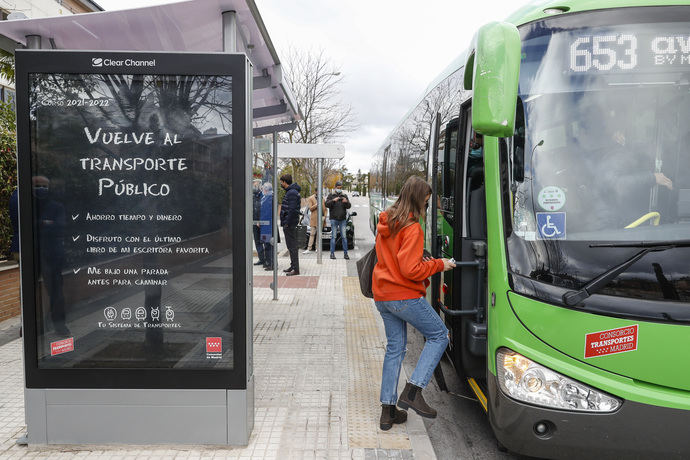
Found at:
<point>76,270</point>
<point>75,216</point>
<point>75,238</point>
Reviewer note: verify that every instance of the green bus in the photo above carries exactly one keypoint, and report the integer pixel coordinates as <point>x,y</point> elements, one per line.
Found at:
<point>558,148</point>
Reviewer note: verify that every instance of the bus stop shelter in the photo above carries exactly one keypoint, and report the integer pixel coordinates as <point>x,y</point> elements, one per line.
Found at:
<point>147,403</point>
<point>232,26</point>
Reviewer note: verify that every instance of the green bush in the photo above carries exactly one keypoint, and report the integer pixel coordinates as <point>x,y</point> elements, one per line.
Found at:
<point>8,172</point>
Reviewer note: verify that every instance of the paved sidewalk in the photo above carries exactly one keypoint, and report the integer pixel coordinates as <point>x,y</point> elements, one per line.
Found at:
<point>317,363</point>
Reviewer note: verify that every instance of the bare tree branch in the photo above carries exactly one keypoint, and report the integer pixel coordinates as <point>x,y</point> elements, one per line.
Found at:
<point>316,84</point>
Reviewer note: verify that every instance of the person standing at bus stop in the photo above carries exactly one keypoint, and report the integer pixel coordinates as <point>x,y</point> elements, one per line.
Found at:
<point>289,218</point>
<point>257,222</point>
<point>266,216</point>
<point>399,285</point>
<point>312,204</point>
<point>338,204</point>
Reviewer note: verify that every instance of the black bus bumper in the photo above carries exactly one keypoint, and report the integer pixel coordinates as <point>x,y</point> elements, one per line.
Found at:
<point>635,431</point>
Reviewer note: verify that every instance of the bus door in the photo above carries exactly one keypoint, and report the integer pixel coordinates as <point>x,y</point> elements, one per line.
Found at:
<point>461,234</point>
<point>471,252</point>
<point>447,151</point>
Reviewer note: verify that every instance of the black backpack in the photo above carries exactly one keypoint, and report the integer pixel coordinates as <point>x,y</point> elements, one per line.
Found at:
<point>365,270</point>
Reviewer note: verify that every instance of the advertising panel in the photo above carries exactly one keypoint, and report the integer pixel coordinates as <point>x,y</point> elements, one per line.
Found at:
<point>132,198</point>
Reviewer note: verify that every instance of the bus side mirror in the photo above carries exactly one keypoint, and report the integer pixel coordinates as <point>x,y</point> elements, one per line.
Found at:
<point>492,70</point>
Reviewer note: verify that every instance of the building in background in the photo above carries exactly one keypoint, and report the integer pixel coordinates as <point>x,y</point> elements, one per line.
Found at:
<point>31,9</point>
<point>45,8</point>
<point>11,10</point>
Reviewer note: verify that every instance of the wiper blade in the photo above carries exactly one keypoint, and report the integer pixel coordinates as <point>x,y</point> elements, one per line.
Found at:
<point>643,244</point>
<point>572,298</point>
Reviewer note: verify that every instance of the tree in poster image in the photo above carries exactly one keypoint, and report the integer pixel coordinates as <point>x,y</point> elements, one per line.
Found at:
<point>196,109</point>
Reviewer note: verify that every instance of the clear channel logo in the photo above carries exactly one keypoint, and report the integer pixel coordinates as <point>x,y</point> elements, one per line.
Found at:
<point>108,62</point>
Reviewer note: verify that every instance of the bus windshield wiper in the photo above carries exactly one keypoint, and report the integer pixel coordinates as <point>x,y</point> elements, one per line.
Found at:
<point>644,244</point>
<point>572,298</point>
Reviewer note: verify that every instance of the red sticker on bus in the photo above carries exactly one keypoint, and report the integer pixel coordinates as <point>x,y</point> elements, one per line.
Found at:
<point>61,346</point>
<point>611,342</point>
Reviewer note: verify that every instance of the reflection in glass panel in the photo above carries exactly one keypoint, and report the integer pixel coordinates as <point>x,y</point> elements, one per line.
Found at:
<point>132,220</point>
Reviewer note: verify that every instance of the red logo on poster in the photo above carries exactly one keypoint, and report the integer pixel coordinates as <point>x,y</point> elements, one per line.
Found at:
<point>61,346</point>
<point>610,342</point>
<point>214,345</point>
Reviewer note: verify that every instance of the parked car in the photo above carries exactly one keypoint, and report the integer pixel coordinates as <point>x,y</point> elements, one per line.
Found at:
<point>326,234</point>
<point>355,193</point>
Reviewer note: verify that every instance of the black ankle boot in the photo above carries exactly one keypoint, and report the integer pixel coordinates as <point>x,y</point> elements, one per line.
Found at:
<point>391,415</point>
<point>411,397</point>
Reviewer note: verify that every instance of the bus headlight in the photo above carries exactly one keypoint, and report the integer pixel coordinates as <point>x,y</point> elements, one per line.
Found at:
<point>524,380</point>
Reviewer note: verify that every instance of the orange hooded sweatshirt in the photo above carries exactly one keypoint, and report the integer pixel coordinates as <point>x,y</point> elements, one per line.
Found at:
<point>400,272</point>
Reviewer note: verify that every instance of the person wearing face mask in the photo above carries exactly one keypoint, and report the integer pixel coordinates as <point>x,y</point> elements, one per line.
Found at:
<point>51,232</point>
<point>338,204</point>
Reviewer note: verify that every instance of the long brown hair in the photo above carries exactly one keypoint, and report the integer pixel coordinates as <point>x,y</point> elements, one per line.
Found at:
<point>410,201</point>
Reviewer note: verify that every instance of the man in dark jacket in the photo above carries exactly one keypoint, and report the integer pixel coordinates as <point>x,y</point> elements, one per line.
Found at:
<point>289,218</point>
<point>257,224</point>
<point>50,215</point>
<point>338,204</point>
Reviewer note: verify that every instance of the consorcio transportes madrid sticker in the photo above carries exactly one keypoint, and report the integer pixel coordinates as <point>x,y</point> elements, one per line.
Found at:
<point>611,342</point>
<point>61,346</point>
<point>551,198</point>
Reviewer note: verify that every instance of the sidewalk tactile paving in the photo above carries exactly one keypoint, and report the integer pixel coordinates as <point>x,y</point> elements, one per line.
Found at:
<point>365,360</point>
<point>317,366</point>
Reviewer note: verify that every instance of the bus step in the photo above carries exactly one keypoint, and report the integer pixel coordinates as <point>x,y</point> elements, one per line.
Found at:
<point>480,391</point>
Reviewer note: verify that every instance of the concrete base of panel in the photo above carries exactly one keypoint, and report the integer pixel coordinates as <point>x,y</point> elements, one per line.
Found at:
<point>140,416</point>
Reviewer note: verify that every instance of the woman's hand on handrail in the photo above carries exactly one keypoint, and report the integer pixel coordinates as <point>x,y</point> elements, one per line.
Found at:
<point>447,265</point>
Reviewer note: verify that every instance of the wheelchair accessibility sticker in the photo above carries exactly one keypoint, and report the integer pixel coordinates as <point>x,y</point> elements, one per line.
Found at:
<point>551,225</point>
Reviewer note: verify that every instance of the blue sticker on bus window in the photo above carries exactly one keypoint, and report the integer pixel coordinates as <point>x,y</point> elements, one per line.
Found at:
<point>551,225</point>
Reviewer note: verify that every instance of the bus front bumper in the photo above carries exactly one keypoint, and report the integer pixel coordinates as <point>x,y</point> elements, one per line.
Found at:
<point>634,431</point>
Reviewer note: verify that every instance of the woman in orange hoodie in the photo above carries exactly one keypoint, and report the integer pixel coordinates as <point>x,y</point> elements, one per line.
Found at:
<point>399,285</point>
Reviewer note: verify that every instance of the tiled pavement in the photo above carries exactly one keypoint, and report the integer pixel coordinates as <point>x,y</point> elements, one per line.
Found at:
<point>317,364</point>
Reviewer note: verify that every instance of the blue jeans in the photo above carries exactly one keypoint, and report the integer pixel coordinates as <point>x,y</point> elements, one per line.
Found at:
<point>396,314</point>
<point>338,225</point>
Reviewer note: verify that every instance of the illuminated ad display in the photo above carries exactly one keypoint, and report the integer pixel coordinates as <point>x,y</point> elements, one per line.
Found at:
<point>127,166</point>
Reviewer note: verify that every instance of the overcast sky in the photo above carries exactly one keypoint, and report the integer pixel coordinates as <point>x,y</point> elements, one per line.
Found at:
<point>388,50</point>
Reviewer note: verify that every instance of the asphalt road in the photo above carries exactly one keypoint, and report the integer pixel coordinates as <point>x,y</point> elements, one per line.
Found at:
<point>461,430</point>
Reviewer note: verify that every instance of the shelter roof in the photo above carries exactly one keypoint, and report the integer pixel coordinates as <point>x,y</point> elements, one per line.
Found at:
<point>187,26</point>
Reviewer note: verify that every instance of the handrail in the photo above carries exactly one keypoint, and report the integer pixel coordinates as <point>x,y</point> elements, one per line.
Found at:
<point>456,312</point>
<point>649,216</point>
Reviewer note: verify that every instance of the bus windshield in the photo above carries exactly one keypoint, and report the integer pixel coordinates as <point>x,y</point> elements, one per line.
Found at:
<point>602,150</point>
